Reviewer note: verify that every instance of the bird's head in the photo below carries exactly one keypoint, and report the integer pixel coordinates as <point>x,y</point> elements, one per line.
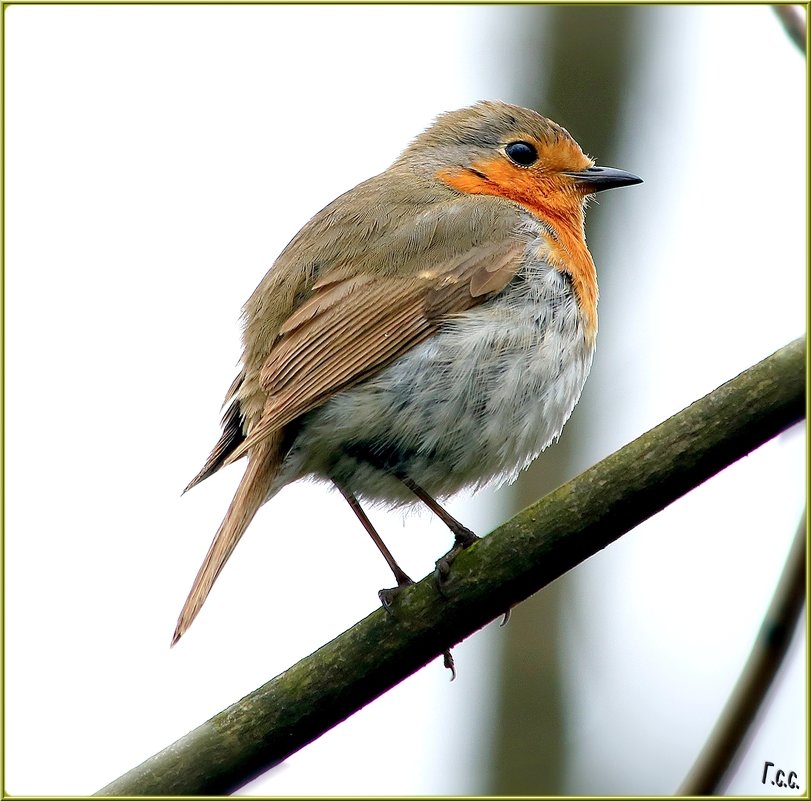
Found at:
<point>494,148</point>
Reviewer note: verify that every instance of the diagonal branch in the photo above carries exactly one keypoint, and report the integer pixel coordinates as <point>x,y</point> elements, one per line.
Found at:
<point>520,557</point>
<point>710,773</point>
<point>794,21</point>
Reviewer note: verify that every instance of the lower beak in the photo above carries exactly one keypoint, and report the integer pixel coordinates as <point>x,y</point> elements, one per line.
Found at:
<point>596,179</point>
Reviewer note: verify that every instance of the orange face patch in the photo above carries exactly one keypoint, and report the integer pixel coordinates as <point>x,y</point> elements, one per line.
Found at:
<point>556,201</point>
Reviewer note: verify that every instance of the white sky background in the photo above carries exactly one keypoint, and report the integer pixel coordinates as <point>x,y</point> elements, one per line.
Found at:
<point>157,159</point>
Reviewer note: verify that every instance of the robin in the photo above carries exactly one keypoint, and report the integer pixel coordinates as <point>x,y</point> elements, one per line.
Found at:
<point>429,330</point>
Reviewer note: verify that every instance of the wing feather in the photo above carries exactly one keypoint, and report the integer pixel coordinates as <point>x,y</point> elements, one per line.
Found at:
<point>353,326</point>
<point>321,301</point>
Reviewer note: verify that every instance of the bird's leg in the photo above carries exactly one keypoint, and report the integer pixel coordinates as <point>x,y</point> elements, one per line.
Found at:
<point>386,596</point>
<point>463,536</point>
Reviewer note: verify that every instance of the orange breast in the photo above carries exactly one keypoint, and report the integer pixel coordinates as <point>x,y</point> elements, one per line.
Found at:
<point>556,202</point>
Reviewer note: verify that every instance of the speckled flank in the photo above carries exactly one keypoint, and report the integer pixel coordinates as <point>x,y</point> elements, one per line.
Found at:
<point>474,404</point>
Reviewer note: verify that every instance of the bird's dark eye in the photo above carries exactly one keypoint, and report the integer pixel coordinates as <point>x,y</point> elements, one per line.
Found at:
<point>522,153</point>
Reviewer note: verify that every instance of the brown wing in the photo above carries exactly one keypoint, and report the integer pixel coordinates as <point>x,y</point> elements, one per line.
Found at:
<point>354,325</point>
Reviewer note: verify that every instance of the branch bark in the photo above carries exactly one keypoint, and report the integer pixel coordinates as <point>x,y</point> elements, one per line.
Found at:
<point>520,557</point>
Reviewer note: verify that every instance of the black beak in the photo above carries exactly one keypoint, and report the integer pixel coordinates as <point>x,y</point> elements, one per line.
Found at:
<point>599,178</point>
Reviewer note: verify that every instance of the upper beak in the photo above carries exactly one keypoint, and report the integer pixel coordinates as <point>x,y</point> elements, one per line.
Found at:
<point>599,178</point>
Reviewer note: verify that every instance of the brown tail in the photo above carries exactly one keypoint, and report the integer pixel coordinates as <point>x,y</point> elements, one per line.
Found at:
<point>263,468</point>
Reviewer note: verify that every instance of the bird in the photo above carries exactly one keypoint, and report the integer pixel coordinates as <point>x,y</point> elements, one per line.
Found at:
<point>427,331</point>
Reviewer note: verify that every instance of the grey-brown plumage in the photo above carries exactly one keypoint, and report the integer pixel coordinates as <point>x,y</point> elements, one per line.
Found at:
<point>429,329</point>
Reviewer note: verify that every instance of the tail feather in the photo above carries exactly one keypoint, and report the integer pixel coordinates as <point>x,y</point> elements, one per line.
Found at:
<point>232,437</point>
<point>263,468</point>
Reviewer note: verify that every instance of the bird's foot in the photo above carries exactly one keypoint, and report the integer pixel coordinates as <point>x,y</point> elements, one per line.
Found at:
<point>387,596</point>
<point>464,538</point>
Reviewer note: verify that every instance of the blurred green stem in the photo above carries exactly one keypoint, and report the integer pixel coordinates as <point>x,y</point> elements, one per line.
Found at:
<point>710,772</point>
<point>794,21</point>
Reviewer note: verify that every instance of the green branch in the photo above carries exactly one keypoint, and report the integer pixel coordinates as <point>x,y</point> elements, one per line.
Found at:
<point>520,557</point>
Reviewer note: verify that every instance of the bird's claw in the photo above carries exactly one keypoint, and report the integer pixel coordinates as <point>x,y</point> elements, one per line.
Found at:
<point>387,596</point>
<point>464,539</point>
<point>449,663</point>
<point>443,569</point>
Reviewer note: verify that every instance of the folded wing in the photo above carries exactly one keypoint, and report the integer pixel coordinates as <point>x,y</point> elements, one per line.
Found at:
<point>354,325</point>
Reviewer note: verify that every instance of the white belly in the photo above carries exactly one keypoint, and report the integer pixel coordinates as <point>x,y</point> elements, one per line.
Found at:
<point>474,404</point>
